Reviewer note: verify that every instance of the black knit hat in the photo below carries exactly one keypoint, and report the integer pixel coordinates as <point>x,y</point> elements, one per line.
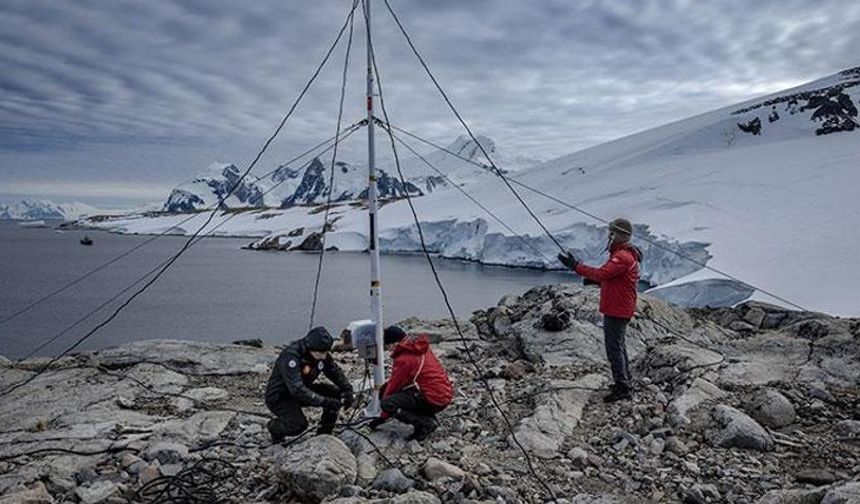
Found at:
<point>392,335</point>
<point>622,227</point>
<point>318,339</point>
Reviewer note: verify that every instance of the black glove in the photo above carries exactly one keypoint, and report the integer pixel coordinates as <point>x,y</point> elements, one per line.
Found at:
<point>347,398</point>
<point>331,403</point>
<point>569,260</point>
<point>376,422</point>
<point>588,281</point>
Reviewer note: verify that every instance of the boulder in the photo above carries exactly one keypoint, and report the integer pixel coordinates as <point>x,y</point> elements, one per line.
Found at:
<point>844,494</point>
<point>736,429</point>
<point>436,468</point>
<point>317,468</point>
<point>772,409</point>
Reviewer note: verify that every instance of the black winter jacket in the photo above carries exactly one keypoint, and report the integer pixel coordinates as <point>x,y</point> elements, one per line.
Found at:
<point>296,368</point>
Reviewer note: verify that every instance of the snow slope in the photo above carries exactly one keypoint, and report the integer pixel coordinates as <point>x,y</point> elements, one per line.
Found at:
<point>30,209</point>
<point>764,190</point>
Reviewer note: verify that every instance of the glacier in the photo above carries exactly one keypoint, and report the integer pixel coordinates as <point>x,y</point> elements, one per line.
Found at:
<point>764,190</point>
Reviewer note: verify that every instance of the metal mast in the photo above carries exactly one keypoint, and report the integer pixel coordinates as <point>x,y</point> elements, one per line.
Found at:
<point>373,409</point>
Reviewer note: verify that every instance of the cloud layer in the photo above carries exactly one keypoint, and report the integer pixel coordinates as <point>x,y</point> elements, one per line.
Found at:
<point>149,92</point>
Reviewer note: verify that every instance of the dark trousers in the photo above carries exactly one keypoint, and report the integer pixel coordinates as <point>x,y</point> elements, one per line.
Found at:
<point>292,418</point>
<point>614,330</point>
<point>409,406</point>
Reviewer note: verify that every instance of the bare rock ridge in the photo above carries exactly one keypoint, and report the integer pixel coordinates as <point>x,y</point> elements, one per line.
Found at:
<point>753,404</point>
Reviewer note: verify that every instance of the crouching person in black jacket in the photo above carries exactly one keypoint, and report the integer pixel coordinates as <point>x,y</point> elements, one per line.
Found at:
<point>291,386</point>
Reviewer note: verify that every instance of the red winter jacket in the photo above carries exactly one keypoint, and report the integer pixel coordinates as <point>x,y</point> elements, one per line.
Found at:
<point>618,278</point>
<point>414,364</point>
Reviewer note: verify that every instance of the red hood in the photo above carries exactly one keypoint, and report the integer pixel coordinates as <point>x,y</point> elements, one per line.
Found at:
<point>637,254</point>
<point>416,344</point>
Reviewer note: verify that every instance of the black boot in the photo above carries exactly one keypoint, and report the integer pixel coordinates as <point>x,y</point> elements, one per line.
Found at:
<point>276,430</point>
<point>423,429</point>
<point>618,393</point>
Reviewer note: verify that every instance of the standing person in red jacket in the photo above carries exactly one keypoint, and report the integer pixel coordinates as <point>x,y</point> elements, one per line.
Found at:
<point>418,387</point>
<point>617,278</point>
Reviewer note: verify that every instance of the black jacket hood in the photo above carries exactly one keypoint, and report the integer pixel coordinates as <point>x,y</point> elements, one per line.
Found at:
<point>318,339</point>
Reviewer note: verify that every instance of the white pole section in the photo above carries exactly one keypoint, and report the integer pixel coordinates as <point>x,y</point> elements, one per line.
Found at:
<point>373,409</point>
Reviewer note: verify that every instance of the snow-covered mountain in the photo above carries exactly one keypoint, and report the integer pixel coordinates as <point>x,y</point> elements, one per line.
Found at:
<point>30,209</point>
<point>764,190</point>
<point>308,184</point>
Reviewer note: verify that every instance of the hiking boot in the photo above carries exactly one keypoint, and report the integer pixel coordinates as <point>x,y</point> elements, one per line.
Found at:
<point>276,430</point>
<point>618,394</point>
<point>423,430</point>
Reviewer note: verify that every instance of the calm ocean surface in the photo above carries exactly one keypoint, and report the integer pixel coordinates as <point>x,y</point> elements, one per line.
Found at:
<point>217,291</point>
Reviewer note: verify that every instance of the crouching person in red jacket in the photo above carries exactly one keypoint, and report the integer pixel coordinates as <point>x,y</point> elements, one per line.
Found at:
<point>617,279</point>
<point>419,387</point>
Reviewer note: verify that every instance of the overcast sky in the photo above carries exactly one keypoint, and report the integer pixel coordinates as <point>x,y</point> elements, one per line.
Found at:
<point>115,101</point>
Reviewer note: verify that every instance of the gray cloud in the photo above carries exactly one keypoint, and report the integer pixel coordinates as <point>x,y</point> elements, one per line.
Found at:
<point>149,92</point>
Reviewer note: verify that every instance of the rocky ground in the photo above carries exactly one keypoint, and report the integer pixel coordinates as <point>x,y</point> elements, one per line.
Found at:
<point>753,404</point>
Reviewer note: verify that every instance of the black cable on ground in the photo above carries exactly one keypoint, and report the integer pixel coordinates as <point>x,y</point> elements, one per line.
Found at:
<point>331,173</point>
<point>198,484</point>
<point>467,128</point>
<point>187,244</point>
<point>450,309</point>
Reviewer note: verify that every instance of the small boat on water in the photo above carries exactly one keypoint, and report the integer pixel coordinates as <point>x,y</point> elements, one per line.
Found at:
<point>86,240</point>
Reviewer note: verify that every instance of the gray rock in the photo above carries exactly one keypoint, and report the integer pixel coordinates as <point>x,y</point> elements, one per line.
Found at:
<point>170,469</point>
<point>844,494</point>
<point>37,494</point>
<point>366,469</point>
<point>736,429</point>
<point>196,356</point>
<point>772,409</point>
<point>392,480</point>
<point>416,498</point>
<point>206,394</point>
<point>692,467</point>
<point>847,428</point>
<point>555,417</point>
<point>434,469</point>
<point>166,452</point>
<point>698,393</point>
<point>97,492</point>
<point>201,426</point>
<point>817,477</point>
<point>149,473</point>
<point>797,496</point>
<point>578,456</point>
<point>701,494</point>
<point>317,468</point>
<point>505,493</point>
<point>86,475</point>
